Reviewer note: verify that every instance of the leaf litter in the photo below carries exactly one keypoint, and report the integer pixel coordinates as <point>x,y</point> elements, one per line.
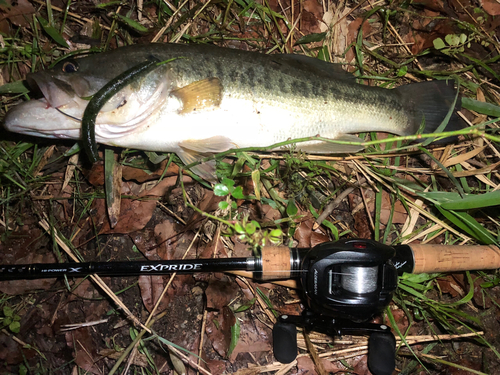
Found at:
<point>202,312</point>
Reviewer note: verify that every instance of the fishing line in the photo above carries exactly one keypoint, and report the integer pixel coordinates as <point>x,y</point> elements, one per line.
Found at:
<point>68,115</point>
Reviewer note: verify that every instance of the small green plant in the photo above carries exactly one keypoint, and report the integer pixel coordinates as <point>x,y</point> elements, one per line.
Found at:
<point>226,188</point>
<point>10,319</point>
<point>251,232</point>
<point>452,43</point>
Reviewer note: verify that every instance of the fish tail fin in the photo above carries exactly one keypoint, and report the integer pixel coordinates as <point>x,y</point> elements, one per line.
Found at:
<point>430,102</point>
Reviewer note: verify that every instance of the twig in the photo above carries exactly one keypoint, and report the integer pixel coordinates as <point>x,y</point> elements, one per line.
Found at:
<point>202,336</point>
<point>97,279</point>
<point>335,203</point>
<point>70,327</point>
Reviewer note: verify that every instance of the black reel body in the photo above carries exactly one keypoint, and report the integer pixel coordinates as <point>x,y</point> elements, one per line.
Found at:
<point>345,283</point>
<point>353,279</point>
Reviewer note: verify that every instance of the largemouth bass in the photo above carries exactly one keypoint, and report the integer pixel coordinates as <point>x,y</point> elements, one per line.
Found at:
<point>207,99</point>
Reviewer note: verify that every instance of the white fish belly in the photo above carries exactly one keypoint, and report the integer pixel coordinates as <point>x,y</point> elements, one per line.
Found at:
<point>244,123</point>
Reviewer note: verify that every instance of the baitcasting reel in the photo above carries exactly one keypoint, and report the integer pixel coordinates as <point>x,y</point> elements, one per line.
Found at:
<point>345,283</point>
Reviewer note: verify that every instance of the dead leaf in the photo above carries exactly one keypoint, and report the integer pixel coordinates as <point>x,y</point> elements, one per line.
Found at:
<point>399,214</point>
<point>217,332</point>
<point>11,353</point>
<point>140,175</point>
<point>362,225</point>
<point>70,169</point>
<point>401,319</point>
<point>216,367</point>
<point>19,12</point>
<point>361,365</point>
<point>492,7</point>
<point>114,196</point>
<point>151,289</point>
<point>254,337</point>
<point>307,237</point>
<point>213,249</point>
<point>85,289</point>
<point>241,250</point>
<point>220,292</point>
<point>306,365</point>
<point>209,203</point>
<point>80,340</point>
<point>136,213</point>
<point>312,16</point>
<point>248,371</point>
<point>95,175</point>
<point>44,159</point>
<point>449,285</point>
<point>353,35</point>
<point>164,233</point>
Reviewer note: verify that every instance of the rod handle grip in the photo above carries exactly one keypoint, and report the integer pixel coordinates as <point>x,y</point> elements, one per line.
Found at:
<point>451,258</point>
<point>276,263</point>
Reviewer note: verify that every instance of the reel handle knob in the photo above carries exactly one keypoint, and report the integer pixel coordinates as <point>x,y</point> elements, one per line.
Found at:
<point>284,341</point>
<point>382,353</point>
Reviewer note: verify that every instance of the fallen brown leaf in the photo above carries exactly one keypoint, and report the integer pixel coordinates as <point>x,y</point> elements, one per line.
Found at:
<point>353,34</point>
<point>218,332</point>
<point>254,336</point>
<point>151,288</point>
<point>80,340</point>
<point>19,12</point>
<point>135,213</point>
<point>164,233</point>
<point>220,292</point>
<point>140,175</point>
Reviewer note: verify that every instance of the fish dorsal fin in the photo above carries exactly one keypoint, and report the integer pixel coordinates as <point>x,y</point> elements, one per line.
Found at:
<point>313,65</point>
<point>203,94</point>
<point>320,147</point>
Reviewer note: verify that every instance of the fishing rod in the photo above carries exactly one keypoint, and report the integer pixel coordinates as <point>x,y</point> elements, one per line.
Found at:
<point>345,283</point>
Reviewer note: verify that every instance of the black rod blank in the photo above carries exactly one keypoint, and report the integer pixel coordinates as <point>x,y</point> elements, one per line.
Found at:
<point>159,267</point>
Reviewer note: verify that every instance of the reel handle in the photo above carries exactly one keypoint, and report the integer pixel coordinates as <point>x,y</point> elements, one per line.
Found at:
<point>285,342</point>
<point>381,342</point>
<point>452,258</point>
<point>382,353</point>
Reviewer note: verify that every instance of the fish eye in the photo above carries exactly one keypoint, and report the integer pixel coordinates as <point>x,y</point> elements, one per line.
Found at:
<point>70,66</point>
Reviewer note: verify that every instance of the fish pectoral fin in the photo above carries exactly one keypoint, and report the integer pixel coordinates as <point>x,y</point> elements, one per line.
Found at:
<point>205,170</point>
<point>215,144</point>
<point>321,147</point>
<point>204,94</point>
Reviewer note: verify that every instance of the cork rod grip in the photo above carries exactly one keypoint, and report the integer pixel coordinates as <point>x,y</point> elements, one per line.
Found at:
<point>276,263</point>
<point>443,258</point>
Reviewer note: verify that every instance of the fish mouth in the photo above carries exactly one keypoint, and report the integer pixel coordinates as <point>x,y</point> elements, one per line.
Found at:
<point>56,115</point>
<point>39,118</point>
<point>56,92</point>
